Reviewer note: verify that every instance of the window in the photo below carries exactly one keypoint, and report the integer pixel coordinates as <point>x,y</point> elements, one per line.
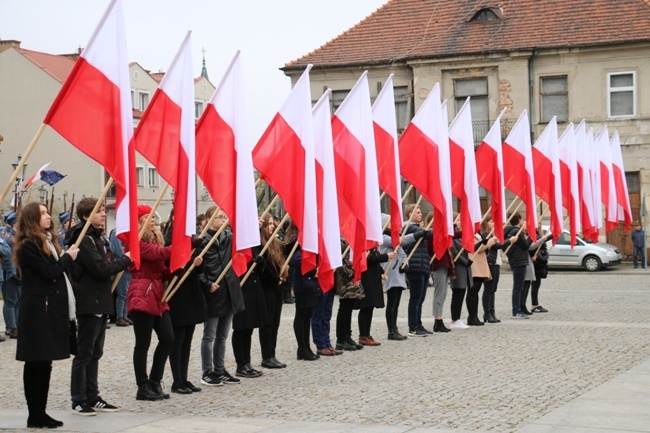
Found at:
<point>554,98</point>
<point>477,89</point>
<point>153,180</point>
<point>143,101</point>
<point>337,98</point>
<point>403,107</point>
<point>485,14</point>
<point>621,93</point>
<point>132,98</point>
<point>198,109</point>
<point>139,176</point>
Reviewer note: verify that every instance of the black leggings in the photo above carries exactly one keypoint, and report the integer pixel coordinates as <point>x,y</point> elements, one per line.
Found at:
<point>457,296</point>
<point>36,380</point>
<point>534,291</point>
<point>472,296</point>
<point>344,320</point>
<point>179,358</point>
<point>393,297</point>
<point>241,345</point>
<point>301,326</point>
<point>143,325</point>
<point>365,321</point>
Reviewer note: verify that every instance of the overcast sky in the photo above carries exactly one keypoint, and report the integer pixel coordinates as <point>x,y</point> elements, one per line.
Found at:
<point>269,33</point>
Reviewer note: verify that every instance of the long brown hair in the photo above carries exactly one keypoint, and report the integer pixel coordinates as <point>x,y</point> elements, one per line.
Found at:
<point>29,229</point>
<point>150,236</point>
<point>274,251</point>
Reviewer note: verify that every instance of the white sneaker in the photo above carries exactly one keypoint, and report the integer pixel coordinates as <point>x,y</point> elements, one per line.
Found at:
<point>458,324</point>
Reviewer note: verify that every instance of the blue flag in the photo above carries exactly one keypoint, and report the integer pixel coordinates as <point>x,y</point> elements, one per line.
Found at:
<point>51,177</point>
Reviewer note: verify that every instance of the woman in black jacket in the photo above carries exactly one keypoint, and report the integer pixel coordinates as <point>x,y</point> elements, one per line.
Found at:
<point>373,289</point>
<point>518,260</point>
<point>46,307</point>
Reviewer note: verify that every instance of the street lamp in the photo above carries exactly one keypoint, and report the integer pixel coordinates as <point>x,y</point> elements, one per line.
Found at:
<point>19,181</point>
<point>42,194</point>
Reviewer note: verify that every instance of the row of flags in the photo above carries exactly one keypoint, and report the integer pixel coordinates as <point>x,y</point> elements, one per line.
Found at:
<point>328,170</point>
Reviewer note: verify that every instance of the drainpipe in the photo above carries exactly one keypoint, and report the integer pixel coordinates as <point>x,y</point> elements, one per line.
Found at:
<point>531,95</point>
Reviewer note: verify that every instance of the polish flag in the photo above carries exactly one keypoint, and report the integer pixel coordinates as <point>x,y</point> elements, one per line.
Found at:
<point>329,235</point>
<point>93,112</point>
<point>36,176</point>
<point>518,169</point>
<point>225,164</point>
<point>357,181</point>
<point>548,183</point>
<point>424,162</point>
<point>594,174</point>
<point>624,211</point>
<point>464,183</point>
<point>489,154</point>
<point>608,185</point>
<point>587,217</point>
<point>284,156</point>
<point>570,184</point>
<point>165,136</point>
<point>385,127</point>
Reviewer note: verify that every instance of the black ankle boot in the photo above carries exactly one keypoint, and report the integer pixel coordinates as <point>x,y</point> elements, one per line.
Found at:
<point>306,355</point>
<point>148,393</point>
<point>487,317</point>
<point>494,316</point>
<point>474,321</point>
<point>439,326</point>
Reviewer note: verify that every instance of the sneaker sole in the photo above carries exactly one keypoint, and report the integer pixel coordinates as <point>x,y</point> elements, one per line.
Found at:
<point>117,409</point>
<point>211,384</point>
<point>84,413</point>
<point>418,335</point>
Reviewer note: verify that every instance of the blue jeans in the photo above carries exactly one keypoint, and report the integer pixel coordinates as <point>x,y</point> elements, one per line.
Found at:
<point>518,277</point>
<point>320,320</point>
<point>11,289</point>
<point>417,283</point>
<point>639,251</point>
<point>85,365</point>
<point>121,289</point>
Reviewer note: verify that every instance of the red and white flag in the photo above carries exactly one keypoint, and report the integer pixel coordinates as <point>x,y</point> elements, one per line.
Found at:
<point>36,176</point>
<point>624,211</point>
<point>329,234</point>
<point>165,137</point>
<point>587,217</point>
<point>289,138</point>
<point>464,182</point>
<point>357,181</point>
<point>385,127</point>
<point>548,183</point>
<point>489,169</point>
<point>424,162</point>
<point>225,164</point>
<point>596,186</point>
<point>93,112</point>
<point>569,174</point>
<point>608,186</point>
<point>518,169</point>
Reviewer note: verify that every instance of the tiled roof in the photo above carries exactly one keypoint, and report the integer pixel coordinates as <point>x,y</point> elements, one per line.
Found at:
<point>412,29</point>
<point>57,66</point>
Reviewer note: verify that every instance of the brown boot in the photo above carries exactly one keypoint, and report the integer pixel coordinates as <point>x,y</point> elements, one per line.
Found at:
<point>368,341</point>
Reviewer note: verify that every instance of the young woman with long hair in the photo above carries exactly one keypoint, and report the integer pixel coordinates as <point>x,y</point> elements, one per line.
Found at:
<point>46,307</point>
<point>272,276</point>
<point>148,310</point>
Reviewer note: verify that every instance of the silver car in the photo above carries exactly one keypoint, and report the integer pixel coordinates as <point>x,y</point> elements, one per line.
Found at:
<point>592,257</point>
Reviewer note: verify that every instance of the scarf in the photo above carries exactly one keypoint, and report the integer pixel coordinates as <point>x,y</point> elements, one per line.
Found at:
<point>71,299</point>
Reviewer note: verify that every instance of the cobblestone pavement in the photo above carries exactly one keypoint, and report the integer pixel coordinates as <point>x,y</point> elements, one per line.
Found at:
<point>492,378</point>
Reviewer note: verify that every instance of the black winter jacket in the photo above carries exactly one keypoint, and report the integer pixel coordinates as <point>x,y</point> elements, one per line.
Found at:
<point>419,262</point>
<point>92,272</point>
<point>518,253</point>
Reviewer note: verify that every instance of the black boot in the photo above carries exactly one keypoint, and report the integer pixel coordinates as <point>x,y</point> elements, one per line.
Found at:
<point>157,387</point>
<point>148,393</point>
<point>439,326</point>
<point>487,317</point>
<point>474,321</point>
<point>494,316</point>
<point>393,334</point>
<point>305,354</point>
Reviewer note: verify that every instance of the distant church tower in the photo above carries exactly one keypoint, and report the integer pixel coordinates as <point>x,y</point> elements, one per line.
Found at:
<point>204,70</point>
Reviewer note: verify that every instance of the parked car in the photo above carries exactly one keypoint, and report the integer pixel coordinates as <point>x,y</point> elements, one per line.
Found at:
<point>590,256</point>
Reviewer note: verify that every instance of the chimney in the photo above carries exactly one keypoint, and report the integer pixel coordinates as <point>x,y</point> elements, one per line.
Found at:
<point>5,44</point>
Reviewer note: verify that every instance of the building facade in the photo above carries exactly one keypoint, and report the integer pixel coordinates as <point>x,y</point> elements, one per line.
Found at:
<point>584,59</point>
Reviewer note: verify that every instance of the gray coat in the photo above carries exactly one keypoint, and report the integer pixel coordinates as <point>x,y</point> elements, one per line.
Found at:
<point>395,277</point>
<point>463,269</point>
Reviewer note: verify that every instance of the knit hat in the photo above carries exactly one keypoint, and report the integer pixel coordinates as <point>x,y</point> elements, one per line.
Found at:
<point>143,209</point>
<point>10,217</point>
<point>64,217</point>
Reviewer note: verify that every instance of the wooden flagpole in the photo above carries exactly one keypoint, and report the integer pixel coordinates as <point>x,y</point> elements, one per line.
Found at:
<point>19,167</point>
